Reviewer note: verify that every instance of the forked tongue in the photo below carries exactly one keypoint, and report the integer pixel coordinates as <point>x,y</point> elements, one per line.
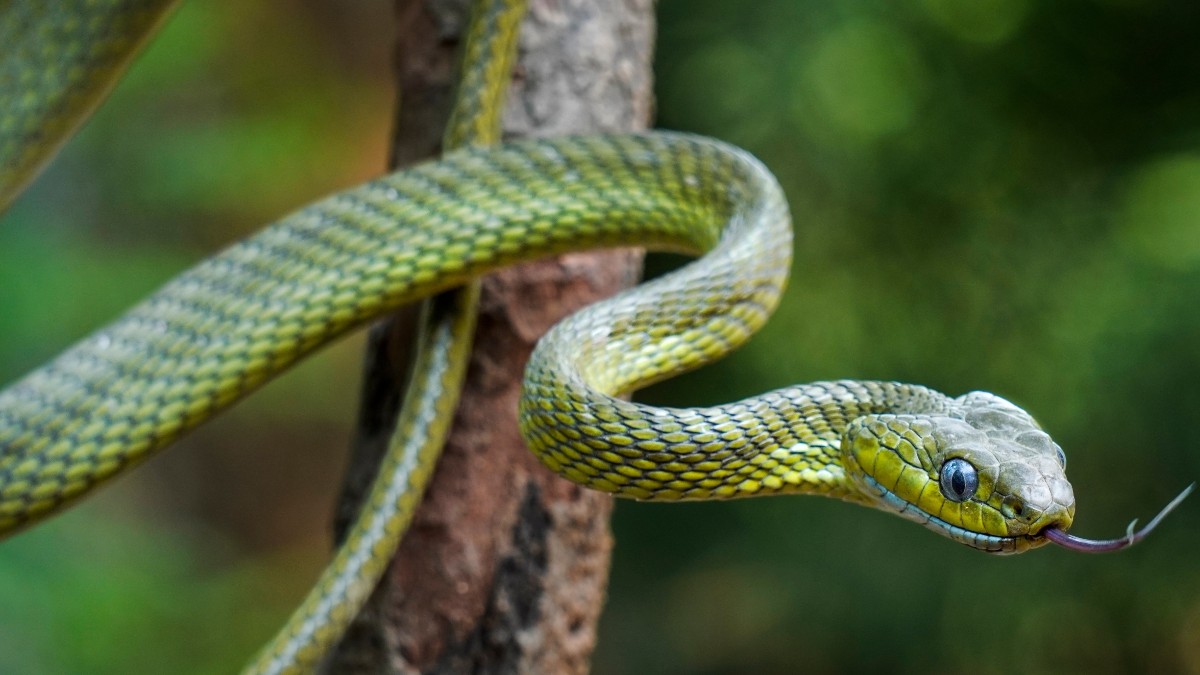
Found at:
<point>1067,540</point>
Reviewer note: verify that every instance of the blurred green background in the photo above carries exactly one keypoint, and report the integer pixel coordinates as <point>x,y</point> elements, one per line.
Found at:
<point>989,194</point>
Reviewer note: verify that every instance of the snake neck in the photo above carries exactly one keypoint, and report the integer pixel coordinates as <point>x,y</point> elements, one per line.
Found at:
<point>784,442</point>
<point>796,434</point>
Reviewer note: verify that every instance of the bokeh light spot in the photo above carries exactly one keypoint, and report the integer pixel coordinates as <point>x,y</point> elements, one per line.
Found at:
<point>979,21</point>
<point>866,79</point>
<point>725,86</point>
<point>1160,218</point>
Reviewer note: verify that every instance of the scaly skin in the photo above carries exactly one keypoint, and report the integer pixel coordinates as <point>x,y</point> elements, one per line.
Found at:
<point>59,61</point>
<point>444,338</point>
<point>222,329</point>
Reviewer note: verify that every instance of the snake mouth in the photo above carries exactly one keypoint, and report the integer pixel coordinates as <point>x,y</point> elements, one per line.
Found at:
<point>988,543</point>
<point>1007,545</point>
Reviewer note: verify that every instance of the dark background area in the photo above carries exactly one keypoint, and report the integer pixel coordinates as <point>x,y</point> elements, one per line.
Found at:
<point>999,195</point>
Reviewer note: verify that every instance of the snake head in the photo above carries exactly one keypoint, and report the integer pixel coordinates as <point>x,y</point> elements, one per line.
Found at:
<point>981,472</point>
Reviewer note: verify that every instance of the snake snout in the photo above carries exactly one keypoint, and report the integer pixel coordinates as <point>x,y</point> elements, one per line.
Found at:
<point>1031,480</point>
<point>1057,516</point>
<point>1039,503</point>
<point>1031,491</point>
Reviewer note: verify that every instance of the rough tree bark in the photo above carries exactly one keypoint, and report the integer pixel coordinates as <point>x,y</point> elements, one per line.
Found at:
<point>505,566</point>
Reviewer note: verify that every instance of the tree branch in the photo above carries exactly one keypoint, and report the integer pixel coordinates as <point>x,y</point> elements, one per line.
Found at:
<point>505,566</point>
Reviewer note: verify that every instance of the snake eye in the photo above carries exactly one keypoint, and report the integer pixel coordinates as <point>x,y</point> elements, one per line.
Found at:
<point>1062,458</point>
<point>958,480</point>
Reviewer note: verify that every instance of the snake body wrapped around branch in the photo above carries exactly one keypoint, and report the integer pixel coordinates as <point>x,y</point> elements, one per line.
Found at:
<point>975,468</point>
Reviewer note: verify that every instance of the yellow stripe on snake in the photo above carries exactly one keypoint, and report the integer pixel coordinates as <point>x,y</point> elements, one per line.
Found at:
<point>975,468</point>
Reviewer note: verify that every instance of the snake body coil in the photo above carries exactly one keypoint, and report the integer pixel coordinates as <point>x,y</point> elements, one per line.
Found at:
<point>223,328</point>
<point>974,468</point>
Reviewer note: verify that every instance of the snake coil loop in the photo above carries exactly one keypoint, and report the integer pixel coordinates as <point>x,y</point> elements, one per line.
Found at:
<point>975,468</point>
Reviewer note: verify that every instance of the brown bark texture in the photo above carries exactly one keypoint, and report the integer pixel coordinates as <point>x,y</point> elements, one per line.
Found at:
<point>505,566</point>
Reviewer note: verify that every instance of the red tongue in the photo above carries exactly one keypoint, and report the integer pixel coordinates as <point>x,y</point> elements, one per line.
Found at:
<point>1074,543</point>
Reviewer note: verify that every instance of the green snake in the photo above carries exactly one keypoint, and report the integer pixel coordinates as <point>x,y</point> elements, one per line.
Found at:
<point>975,468</point>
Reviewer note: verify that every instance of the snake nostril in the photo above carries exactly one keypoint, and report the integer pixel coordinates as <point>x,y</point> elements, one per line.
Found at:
<point>1012,507</point>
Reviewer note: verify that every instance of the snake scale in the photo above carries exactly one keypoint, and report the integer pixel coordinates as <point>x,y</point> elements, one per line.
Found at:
<point>975,468</point>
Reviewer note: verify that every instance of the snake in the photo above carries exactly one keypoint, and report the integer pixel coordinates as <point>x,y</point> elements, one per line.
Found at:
<point>974,468</point>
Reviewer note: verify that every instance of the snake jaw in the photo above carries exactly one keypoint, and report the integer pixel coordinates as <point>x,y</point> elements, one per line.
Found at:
<point>886,500</point>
